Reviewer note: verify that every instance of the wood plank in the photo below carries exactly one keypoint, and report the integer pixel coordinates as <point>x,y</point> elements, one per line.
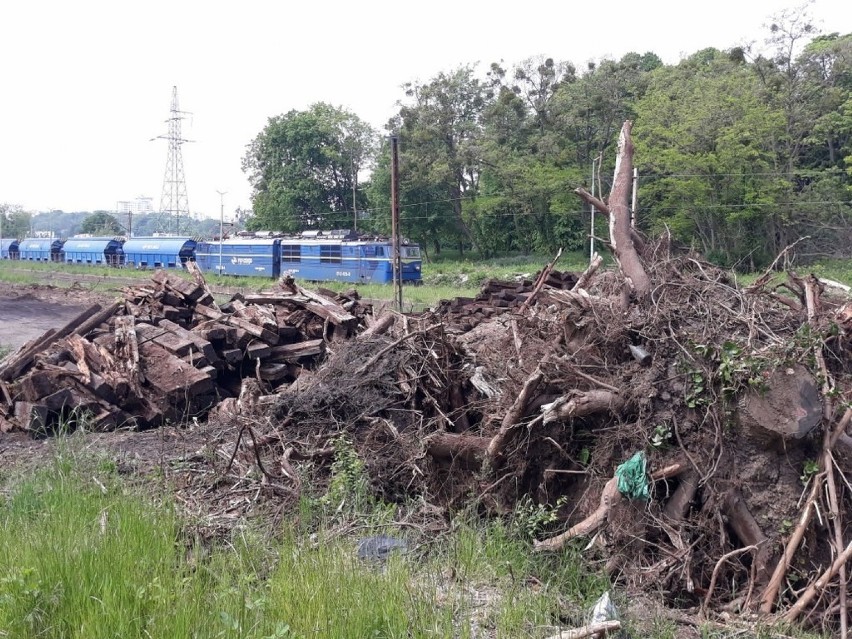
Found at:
<point>292,352</point>
<point>167,339</point>
<point>201,345</point>
<point>170,375</point>
<point>31,416</point>
<point>188,290</point>
<point>127,349</point>
<point>258,350</point>
<point>266,335</point>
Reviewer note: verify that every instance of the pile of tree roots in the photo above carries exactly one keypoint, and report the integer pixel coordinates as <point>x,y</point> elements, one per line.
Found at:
<point>736,399</point>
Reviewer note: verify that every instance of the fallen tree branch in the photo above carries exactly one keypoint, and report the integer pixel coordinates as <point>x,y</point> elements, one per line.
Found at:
<point>375,358</point>
<point>767,599</point>
<point>584,403</point>
<point>586,276</point>
<point>592,630</point>
<point>515,414</point>
<point>542,278</point>
<point>811,591</point>
<point>716,568</point>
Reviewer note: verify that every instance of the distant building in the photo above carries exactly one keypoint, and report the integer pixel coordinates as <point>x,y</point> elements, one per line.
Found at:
<point>140,205</point>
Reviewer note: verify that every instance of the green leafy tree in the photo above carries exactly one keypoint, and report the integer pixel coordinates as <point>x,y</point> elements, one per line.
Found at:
<point>15,221</point>
<point>304,166</point>
<point>439,127</point>
<point>101,223</point>
<point>707,141</point>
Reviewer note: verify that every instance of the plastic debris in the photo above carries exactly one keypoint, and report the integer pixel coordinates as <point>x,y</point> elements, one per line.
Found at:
<point>379,547</point>
<point>603,610</point>
<point>633,477</point>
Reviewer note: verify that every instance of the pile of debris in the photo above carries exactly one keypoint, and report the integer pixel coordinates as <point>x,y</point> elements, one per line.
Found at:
<point>168,352</point>
<point>498,297</point>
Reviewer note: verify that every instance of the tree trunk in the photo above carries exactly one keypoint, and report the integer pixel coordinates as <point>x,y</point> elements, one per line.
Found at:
<point>619,219</point>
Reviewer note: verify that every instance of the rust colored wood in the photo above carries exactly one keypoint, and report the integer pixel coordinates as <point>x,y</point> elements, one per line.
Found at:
<point>266,335</point>
<point>171,376</point>
<point>292,352</point>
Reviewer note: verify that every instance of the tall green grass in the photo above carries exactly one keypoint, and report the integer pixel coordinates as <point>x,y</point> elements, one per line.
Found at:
<point>84,555</point>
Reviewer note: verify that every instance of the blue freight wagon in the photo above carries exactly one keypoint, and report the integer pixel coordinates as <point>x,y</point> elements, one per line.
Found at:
<point>40,249</point>
<point>8,249</point>
<point>93,250</point>
<point>240,256</point>
<point>158,252</point>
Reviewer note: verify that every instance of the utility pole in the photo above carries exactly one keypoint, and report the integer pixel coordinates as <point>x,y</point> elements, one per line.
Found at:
<point>354,200</point>
<point>397,270</point>
<point>222,195</point>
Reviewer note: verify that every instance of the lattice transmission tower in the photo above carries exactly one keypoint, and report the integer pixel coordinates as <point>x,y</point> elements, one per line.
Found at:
<point>174,204</point>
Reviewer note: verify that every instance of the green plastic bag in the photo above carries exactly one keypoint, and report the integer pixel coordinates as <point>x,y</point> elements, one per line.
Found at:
<point>633,477</point>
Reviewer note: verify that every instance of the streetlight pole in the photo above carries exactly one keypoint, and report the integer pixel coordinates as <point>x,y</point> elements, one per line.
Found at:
<point>222,195</point>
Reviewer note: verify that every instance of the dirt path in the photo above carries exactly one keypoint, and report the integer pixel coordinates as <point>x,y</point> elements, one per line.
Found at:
<point>27,311</point>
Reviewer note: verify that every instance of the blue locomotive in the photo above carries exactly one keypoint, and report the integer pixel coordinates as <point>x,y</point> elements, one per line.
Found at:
<point>339,256</point>
<point>342,256</point>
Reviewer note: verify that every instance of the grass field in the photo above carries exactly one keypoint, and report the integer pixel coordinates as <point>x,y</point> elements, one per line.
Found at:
<point>444,277</point>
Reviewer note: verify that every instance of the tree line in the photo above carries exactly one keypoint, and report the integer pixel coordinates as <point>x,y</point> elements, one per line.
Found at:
<point>738,152</point>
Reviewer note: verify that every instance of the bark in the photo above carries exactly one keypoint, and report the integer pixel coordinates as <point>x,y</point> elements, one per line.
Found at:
<point>619,219</point>
<point>468,448</point>
<point>582,404</point>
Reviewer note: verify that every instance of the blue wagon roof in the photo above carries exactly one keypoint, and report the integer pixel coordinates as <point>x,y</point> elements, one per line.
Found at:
<point>39,244</point>
<point>250,241</point>
<point>91,244</point>
<point>161,245</point>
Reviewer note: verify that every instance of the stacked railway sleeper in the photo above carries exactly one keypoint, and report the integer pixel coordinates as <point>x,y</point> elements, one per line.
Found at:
<point>167,352</point>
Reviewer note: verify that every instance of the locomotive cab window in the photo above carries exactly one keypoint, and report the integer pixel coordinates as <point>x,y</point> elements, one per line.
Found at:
<point>291,253</point>
<point>331,253</point>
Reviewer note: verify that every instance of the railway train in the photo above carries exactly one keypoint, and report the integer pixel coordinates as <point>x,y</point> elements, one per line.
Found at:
<point>343,256</point>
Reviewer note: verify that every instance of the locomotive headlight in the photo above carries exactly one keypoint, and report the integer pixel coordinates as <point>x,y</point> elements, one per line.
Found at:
<point>417,267</point>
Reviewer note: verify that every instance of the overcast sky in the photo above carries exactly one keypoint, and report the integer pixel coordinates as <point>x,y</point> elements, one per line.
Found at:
<point>86,84</point>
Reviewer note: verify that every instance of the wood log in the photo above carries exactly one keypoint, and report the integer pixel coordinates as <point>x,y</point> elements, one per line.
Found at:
<point>469,449</point>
